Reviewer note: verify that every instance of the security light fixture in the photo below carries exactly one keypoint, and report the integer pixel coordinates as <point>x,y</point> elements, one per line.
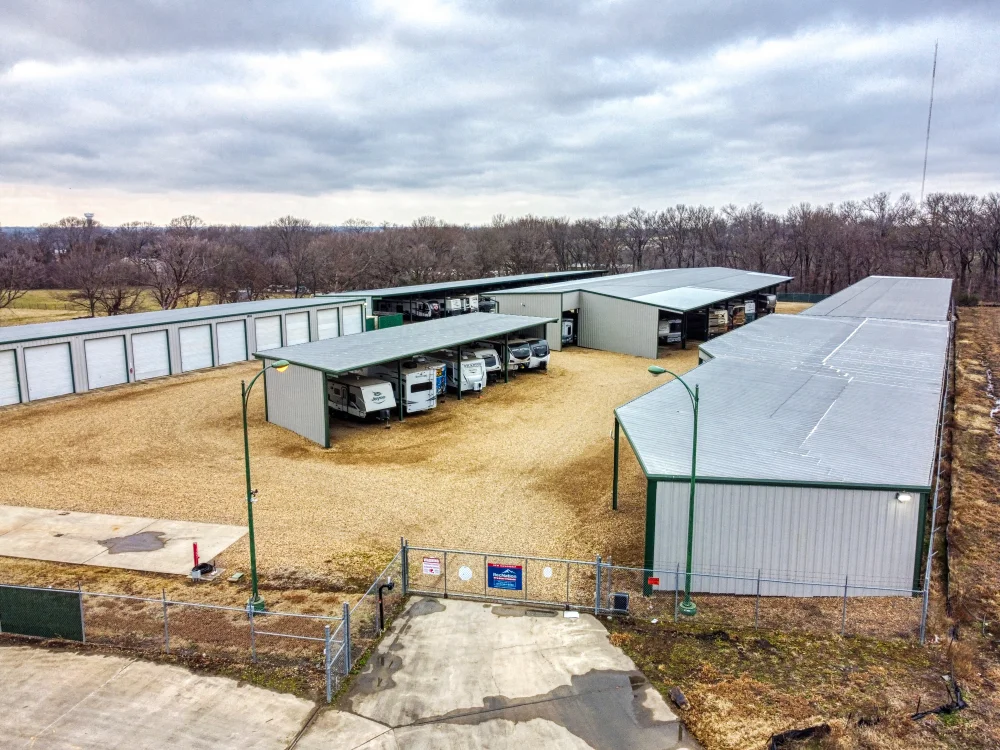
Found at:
<point>904,497</point>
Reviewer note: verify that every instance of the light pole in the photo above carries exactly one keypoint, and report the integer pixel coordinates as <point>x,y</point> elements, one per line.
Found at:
<point>687,607</point>
<point>256,601</point>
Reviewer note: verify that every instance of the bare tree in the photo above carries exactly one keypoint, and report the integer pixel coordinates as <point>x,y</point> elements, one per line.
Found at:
<point>19,269</point>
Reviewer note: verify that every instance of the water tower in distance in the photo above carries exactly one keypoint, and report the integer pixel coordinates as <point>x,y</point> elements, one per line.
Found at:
<point>90,219</point>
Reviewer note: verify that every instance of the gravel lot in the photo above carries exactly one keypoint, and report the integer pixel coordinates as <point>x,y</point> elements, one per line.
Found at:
<point>526,467</point>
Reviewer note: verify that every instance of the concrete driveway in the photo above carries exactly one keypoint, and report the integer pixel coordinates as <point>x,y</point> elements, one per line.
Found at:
<point>56,700</point>
<point>459,674</point>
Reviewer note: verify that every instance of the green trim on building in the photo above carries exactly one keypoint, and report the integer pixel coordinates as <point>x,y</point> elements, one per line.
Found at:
<point>650,546</point>
<point>921,534</point>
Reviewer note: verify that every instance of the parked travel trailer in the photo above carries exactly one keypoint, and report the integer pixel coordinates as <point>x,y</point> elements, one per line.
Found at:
<point>568,331</point>
<point>490,358</point>
<point>450,305</point>
<point>440,372</point>
<point>360,396</point>
<point>411,310</point>
<point>470,303</point>
<point>669,330</point>
<point>473,370</point>
<point>539,359</point>
<point>487,304</point>
<point>518,355</point>
<point>419,390</point>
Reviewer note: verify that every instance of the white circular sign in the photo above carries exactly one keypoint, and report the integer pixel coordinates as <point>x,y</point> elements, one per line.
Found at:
<point>547,571</point>
<point>465,573</point>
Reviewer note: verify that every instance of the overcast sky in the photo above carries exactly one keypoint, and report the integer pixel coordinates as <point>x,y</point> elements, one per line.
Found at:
<point>245,110</point>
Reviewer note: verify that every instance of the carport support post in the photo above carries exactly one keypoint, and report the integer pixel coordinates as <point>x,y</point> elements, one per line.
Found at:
<point>506,358</point>
<point>399,387</point>
<point>458,371</point>
<point>614,486</point>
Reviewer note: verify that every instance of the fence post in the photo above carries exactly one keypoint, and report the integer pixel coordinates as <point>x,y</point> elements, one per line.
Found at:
<point>444,572</point>
<point>843,616</point>
<point>756,605</point>
<point>83,627</point>
<point>405,575</point>
<point>567,584</point>
<point>677,585</point>
<point>347,637</point>
<point>923,613</point>
<point>253,636</point>
<point>166,624</point>
<point>597,590</point>
<point>327,663</point>
<point>524,578</point>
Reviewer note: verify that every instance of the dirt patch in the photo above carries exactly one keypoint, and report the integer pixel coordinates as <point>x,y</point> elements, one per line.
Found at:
<point>526,468</point>
<point>792,308</point>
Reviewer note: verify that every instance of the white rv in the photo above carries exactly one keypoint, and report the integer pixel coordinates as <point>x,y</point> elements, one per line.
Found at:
<point>539,359</point>
<point>419,391</point>
<point>473,370</point>
<point>669,330</point>
<point>490,359</point>
<point>440,371</point>
<point>568,332</point>
<point>470,303</point>
<point>360,396</point>
<point>518,354</point>
<point>450,305</point>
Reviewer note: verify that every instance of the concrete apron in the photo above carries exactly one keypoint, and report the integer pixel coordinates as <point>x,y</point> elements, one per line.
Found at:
<point>465,674</point>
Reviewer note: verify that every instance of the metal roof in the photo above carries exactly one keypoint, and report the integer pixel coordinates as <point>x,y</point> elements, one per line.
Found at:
<point>353,352</point>
<point>791,399</point>
<point>677,289</point>
<point>896,297</point>
<point>81,326</point>
<point>416,290</point>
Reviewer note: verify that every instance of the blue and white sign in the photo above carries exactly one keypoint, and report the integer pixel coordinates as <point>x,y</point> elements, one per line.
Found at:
<point>500,576</point>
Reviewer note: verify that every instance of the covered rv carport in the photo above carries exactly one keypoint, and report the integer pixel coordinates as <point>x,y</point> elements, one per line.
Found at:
<point>296,399</point>
<point>622,313</point>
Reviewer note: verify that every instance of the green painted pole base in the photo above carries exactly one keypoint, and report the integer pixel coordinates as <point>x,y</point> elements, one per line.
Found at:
<point>257,604</point>
<point>687,608</point>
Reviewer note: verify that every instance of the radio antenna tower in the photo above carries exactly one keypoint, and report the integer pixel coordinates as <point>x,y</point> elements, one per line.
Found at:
<point>930,111</point>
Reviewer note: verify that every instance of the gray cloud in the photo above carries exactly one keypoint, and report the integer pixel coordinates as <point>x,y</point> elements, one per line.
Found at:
<point>645,104</point>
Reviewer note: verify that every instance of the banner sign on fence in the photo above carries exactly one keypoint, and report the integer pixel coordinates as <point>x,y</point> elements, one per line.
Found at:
<point>503,576</point>
<point>653,581</point>
<point>432,566</point>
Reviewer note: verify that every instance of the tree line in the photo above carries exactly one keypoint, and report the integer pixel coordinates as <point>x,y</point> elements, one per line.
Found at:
<point>107,270</point>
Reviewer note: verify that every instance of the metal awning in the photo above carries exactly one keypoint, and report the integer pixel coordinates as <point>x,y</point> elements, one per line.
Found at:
<point>347,353</point>
<point>483,284</point>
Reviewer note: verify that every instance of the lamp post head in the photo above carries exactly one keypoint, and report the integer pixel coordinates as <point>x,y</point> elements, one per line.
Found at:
<point>656,370</point>
<point>281,365</point>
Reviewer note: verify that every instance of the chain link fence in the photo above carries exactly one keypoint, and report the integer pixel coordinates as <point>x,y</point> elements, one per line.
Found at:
<point>819,606</point>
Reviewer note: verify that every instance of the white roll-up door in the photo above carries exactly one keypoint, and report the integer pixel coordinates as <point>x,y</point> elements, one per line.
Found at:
<point>268,332</point>
<point>196,347</point>
<point>354,319</point>
<point>106,363</point>
<point>9,392</point>
<point>296,328</point>
<point>49,370</point>
<point>329,323</point>
<point>150,355</point>
<point>232,341</point>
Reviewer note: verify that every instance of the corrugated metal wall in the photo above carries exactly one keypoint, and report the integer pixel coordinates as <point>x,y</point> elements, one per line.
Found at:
<point>541,305</point>
<point>78,353</point>
<point>296,400</point>
<point>617,325</point>
<point>788,533</point>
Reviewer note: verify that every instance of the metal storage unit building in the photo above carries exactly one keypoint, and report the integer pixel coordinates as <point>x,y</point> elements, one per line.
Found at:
<point>74,356</point>
<point>816,447</point>
<point>620,313</point>
<point>297,397</point>
<point>489,284</point>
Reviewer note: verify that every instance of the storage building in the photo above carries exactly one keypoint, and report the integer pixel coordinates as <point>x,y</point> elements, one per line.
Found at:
<point>397,298</point>
<point>74,356</point>
<point>622,313</point>
<point>817,441</point>
<point>296,399</point>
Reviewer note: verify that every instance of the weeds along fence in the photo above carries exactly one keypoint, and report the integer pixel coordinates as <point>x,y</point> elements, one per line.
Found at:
<point>846,607</point>
<point>329,646</point>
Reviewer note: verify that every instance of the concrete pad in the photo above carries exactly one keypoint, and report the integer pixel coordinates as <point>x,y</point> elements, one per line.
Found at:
<point>176,554</point>
<point>55,701</point>
<point>465,674</point>
<point>12,517</point>
<point>334,728</point>
<point>69,537</point>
